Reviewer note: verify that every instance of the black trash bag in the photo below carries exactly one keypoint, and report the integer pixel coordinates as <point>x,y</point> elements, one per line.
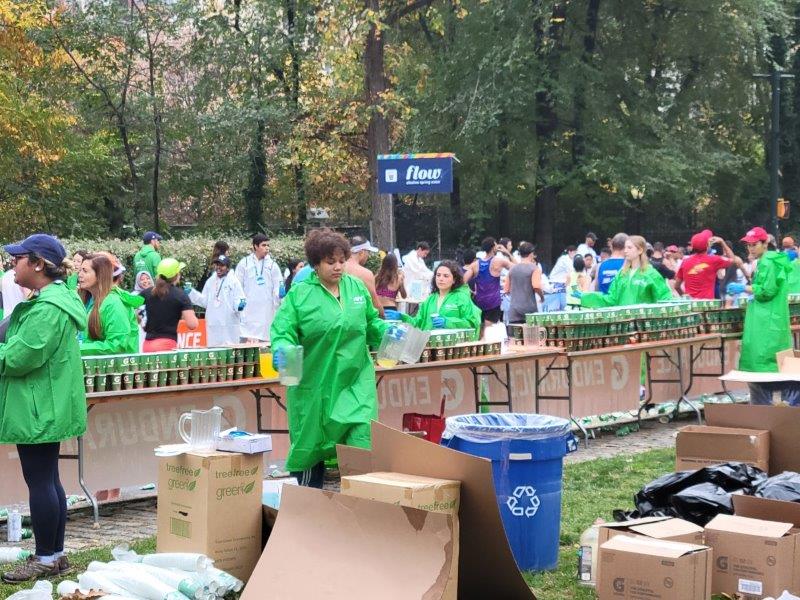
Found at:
<point>734,476</point>
<point>785,486</point>
<point>702,502</point>
<point>654,499</point>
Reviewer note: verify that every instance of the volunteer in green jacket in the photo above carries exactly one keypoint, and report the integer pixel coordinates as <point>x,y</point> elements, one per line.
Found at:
<point>77,261</point>
<point>332,317</point>
<point>636,283</point>
<point>449,306</point>
<point>42,398</point>
<point>767,328</point>
<point>147,258</point>
<point>109,330</point>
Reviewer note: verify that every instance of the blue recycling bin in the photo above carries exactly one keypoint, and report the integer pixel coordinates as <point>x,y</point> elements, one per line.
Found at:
<point>527,453</point>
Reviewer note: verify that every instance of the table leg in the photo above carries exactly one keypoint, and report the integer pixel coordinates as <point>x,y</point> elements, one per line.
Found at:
<point>85,489</point>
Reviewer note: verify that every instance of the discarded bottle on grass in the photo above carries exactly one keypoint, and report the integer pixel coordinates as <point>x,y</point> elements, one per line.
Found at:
<point>43,590</point>
<point>14,526</point>
<point>10,555</point>
<point>587,554</point>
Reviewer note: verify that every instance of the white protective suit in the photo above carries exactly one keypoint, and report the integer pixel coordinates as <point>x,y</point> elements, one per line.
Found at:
<point>12,293</point>
<point>261,280</point>
<point>417,276</point>
<point>221,298</point>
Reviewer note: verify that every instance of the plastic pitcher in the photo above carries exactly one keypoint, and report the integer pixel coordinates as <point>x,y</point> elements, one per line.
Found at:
<point>406,347</point>
<point>205,428</point>
<point>533,335</point>
<point>265,363</point>
<point>291,372</point>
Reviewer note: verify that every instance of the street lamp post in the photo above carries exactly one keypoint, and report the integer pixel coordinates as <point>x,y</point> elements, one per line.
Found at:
<point>637,193</point>
<point>774,148</point>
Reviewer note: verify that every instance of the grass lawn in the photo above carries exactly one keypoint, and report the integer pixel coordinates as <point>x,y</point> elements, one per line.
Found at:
<point>591,489</point>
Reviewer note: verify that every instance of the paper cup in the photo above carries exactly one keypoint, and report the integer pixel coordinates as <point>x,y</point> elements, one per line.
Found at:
<point>116,381</point>
<point>100,383</point>
<point>138,380</point>
<point>89,383</point>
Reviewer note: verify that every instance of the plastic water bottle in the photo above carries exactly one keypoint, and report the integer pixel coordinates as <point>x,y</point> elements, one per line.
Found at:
<point>11,555</point>
<point>14,526</point>
<point>587,555</point>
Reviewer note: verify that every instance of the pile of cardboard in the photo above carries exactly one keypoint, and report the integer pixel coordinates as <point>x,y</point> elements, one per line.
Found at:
<point>750,555</point>
<point>414,521</point>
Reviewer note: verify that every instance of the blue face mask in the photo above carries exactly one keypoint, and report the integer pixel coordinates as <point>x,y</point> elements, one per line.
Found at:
<point>792,254</point>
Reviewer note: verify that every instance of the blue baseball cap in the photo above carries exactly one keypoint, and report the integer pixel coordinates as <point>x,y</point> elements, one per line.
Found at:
<point>150,236</point>
<point>41,244</point>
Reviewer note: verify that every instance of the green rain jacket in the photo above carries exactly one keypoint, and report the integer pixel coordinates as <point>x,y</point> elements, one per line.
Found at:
<point>337,396</point>
<point>42,398</point>
<point>639,287</point>
<point>458,310</point>
<point>767,329</point>
<point>146,259</point>
<point>118,321</point>
<point>794,277</point>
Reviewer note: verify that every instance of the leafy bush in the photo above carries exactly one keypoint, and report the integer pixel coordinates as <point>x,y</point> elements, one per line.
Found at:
<point>195,251</point>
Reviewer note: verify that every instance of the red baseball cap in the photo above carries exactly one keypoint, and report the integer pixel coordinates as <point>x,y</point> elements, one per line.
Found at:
<point>699,241</point>
<point>756,234</point>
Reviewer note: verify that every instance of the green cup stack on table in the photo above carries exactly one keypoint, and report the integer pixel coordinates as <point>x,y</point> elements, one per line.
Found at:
<point>169,369</point>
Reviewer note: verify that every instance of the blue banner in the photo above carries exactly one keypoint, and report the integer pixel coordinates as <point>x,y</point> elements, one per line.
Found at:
<point>415,173</point>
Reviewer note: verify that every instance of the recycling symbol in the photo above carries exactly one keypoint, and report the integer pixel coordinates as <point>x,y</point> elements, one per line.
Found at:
<point>523,502</point>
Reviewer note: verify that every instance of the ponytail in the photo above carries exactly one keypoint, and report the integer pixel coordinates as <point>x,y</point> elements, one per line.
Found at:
<point>163,286</point>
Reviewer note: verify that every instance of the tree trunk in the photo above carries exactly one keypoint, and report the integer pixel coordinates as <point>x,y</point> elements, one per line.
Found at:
<point>254,193</point>
<point>589,45</point>
<point>544,219</point>
<point>377,131</point>
<point>298,171</point>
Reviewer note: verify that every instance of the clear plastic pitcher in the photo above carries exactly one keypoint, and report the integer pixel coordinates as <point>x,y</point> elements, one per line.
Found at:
<point>292,371</point>
<point>406,347</point>
<point>205,428</point>
<point>533,335</point>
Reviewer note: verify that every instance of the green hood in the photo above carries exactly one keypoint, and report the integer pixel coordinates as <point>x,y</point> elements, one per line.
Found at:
<point>145,250</point>
<point>128,299</point>
<point>779,260</point>
<point>59,295</point>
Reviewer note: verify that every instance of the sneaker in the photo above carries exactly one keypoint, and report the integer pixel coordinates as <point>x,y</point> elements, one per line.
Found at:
<point>31,570</point>
<point>64,567</point>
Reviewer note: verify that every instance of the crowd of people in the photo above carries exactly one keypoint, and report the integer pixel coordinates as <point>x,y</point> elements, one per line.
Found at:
<point>336,309</point>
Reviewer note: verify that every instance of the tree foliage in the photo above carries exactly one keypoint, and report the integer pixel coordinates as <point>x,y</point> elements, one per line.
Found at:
<point>245,113</point>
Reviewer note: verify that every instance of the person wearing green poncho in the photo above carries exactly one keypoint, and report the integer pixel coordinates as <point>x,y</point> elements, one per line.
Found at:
<point>77,261</point>
<point>449,306</point>
<point>767,328</point>
<point>636,283</point>
<point>110,329</point>
<point>794,277</point>
<point>332,317</point>
<point>42,398</point>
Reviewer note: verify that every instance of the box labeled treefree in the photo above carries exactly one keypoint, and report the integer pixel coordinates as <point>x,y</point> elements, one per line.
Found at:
<point>211,503</point>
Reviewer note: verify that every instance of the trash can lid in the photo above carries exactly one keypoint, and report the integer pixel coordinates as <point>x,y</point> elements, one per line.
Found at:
<point>494,427</point>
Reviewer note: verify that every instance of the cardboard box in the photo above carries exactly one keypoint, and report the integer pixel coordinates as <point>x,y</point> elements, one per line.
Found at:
<point>659,528</point>
<point>782,422</point>
<point>640,568</point>
<point>211,503</point>
<point>699,446</point>
<point>788,361</point>
<point>766,509</point>
<point>423,493</point>
<point>332,546</point>
<point>752,557</point>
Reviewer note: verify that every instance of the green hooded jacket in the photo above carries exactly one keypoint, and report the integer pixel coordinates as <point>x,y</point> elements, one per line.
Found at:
<point>458,310</point>
<point>146,259</point>
<point>42,398</point>
<point>118,322</point>
<point>767,329</point>
<point>631,287</point>
<point>794,277</point>
<point>337,396</point>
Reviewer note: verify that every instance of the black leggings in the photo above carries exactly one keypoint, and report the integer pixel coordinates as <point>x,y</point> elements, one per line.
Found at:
<point>47,499</point>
